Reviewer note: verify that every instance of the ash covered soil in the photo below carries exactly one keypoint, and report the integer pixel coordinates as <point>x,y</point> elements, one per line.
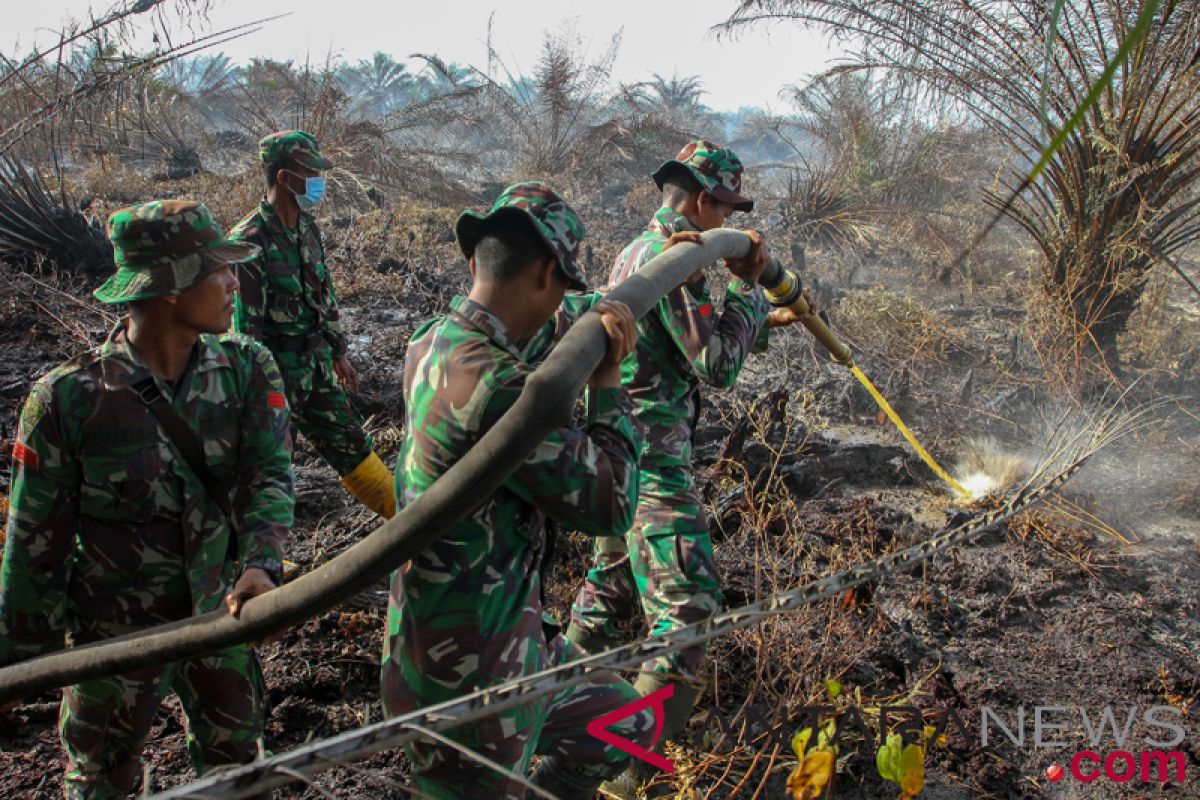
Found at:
<point>1091,601</point>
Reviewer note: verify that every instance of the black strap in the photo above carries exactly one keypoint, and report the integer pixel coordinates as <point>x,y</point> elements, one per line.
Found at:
<point>189,447</point>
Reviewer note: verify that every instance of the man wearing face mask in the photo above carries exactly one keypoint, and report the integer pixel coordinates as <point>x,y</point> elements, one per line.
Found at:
<point>287,301</point>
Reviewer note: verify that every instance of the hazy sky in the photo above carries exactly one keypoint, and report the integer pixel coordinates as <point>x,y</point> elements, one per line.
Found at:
<point>666,38</point>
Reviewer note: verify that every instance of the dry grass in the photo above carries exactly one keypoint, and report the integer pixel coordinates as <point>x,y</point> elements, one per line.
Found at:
<point>894,328</point>
<point>1161,335</point>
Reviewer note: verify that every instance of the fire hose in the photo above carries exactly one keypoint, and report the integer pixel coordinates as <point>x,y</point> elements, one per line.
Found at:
<point>546,403</point>
<point>315,757</point>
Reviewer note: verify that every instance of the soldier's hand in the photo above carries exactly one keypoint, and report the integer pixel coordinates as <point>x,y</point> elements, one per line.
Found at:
<point>751,265</point>
<point>621,328</point>
<point>780,317</point>
<point>812,304</point>
<point>785,316</point>
<point>254,582</point>
<point>691,237</point>
<point>346,374</point>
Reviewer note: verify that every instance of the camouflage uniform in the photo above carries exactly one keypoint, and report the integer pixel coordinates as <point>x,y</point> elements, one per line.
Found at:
<point>468,615</point>
<point>110,531</point>
<point>286,301</point>
<point>666,559</point>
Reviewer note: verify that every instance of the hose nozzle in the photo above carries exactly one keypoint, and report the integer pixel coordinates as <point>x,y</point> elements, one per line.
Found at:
<point>783,290</point>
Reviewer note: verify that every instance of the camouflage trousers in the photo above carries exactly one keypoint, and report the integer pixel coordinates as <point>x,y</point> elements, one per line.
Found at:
<point>555,725</point>
<point>664,564</point>
<point>321,409</point>
<point>104,723</point>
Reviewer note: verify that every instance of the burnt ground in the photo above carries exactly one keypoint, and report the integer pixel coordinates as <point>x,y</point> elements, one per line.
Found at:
<point>802,478</point>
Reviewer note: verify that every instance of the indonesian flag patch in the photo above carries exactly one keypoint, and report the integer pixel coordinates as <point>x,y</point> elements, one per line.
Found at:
<point>705,310</point>
<point>25,455</point>
<point>276,400</point>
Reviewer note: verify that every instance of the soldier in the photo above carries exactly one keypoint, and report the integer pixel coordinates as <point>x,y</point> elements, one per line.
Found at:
<point>667,557</point>
<point>112,530</point>
<point>468,614</point>
<point>287,302</point>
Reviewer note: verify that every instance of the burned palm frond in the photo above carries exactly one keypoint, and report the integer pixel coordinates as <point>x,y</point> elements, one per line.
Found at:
<point>822,211</point>
<point>551,114</point>
<point>34,226</point>
<point>70,92</point>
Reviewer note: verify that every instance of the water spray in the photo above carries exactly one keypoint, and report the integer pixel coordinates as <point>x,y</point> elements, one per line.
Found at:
<point>782,287</point>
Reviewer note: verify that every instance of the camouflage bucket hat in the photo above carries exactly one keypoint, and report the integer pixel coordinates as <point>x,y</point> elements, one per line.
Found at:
<point>718,169</point>
<point>165,247</point>
<point>298,146</point>
<point>555,221</point>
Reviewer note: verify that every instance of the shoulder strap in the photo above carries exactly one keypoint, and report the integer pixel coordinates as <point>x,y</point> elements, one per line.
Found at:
<point>188,445</point>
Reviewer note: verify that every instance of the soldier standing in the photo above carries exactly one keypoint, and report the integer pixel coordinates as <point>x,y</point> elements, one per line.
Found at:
<point>111,530</point>
<point>287,302</point>
<point>666,559</point>
<point>468,614</point>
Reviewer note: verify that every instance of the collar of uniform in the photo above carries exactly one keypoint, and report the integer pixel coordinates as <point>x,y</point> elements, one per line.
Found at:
<point>667,221</point>
<point>486,323</point>
<point>121,366</point>
<point>274,224</point>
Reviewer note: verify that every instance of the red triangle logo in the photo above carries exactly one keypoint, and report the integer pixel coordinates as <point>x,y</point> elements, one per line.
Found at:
<point>599,727</point>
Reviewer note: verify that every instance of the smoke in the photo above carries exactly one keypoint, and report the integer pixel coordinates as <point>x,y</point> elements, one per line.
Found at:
<point>1144,473</point>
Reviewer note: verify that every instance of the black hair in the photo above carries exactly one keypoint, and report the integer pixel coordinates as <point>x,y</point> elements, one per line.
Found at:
<point>272,169</point>
<point>509,246</point>
<point>678,185</point>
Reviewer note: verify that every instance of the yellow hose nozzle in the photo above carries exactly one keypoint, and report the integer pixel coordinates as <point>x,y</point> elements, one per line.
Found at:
<point>782,288</point>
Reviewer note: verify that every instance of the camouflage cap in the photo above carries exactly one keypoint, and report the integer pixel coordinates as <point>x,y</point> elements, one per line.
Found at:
<point>718,169</point>
<point>555,221</point>
<point>165,247</point>
<point>298,146</point>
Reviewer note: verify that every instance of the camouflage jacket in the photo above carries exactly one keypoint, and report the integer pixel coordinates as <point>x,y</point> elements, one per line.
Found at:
<point>108,523</point>
<point>287,290</point>
<point>681,341</point>
<point>480,584</point>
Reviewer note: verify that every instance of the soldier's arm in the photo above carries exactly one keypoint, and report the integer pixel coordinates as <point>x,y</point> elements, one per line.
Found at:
<point>265,498</point>
<point>250,305</point>
<point>331,322</point>
<point>40,535</point>
<point>715,344</point>
<point>739,331</point>
<point>585,478</point>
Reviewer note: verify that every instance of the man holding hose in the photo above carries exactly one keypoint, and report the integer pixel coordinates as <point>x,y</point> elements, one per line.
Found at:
<point>664,564</point>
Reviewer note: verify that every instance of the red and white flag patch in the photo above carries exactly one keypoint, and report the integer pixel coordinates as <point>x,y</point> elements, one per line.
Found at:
<point>26,455</point>
<point>276,400</point>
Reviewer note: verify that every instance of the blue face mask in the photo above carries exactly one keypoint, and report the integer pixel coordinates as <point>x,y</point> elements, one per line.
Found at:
<point>314,190</point>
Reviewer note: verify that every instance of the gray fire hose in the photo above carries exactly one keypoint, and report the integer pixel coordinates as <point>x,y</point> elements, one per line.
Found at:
<point>545,404</point>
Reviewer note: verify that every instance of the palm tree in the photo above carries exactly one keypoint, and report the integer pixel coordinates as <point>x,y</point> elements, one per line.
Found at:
<point>378,85</point>
<point>1120,194</point>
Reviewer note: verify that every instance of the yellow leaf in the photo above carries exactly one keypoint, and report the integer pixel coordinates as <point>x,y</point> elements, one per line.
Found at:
<point>811,775</point>
<point>800,742</point>
<point>912,771</point>
<point>833,688</point>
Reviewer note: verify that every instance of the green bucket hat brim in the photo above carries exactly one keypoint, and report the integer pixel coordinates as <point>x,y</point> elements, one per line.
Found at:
<point>713,187</point>
<point>127,284</point>
<point>469,230</point>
